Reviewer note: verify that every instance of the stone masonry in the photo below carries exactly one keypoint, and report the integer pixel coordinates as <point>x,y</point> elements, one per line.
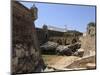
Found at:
<point>26,53</point>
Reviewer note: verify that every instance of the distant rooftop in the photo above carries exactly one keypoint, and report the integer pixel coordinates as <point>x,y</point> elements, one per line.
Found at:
<point>56,28</point>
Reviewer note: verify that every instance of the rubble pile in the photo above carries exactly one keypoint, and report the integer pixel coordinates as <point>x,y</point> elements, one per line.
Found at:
<point>79,52</point>
<point>49,47</point>
<point>55,48</point>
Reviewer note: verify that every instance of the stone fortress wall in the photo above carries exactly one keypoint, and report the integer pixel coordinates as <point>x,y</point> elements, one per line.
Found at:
<point>26,55</point>
<point>63,38</point>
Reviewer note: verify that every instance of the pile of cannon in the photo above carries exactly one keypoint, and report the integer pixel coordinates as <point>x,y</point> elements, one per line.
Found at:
<point>55,48</point>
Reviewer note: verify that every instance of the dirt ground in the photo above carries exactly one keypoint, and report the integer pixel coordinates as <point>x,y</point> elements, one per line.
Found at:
<point>68,62</point>
<point>58,62</point>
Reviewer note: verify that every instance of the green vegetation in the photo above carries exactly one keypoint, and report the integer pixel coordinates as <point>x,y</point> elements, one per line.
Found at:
<point>92,24</point>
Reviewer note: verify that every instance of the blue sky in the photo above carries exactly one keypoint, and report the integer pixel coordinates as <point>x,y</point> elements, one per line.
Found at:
<point>74,17</point>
